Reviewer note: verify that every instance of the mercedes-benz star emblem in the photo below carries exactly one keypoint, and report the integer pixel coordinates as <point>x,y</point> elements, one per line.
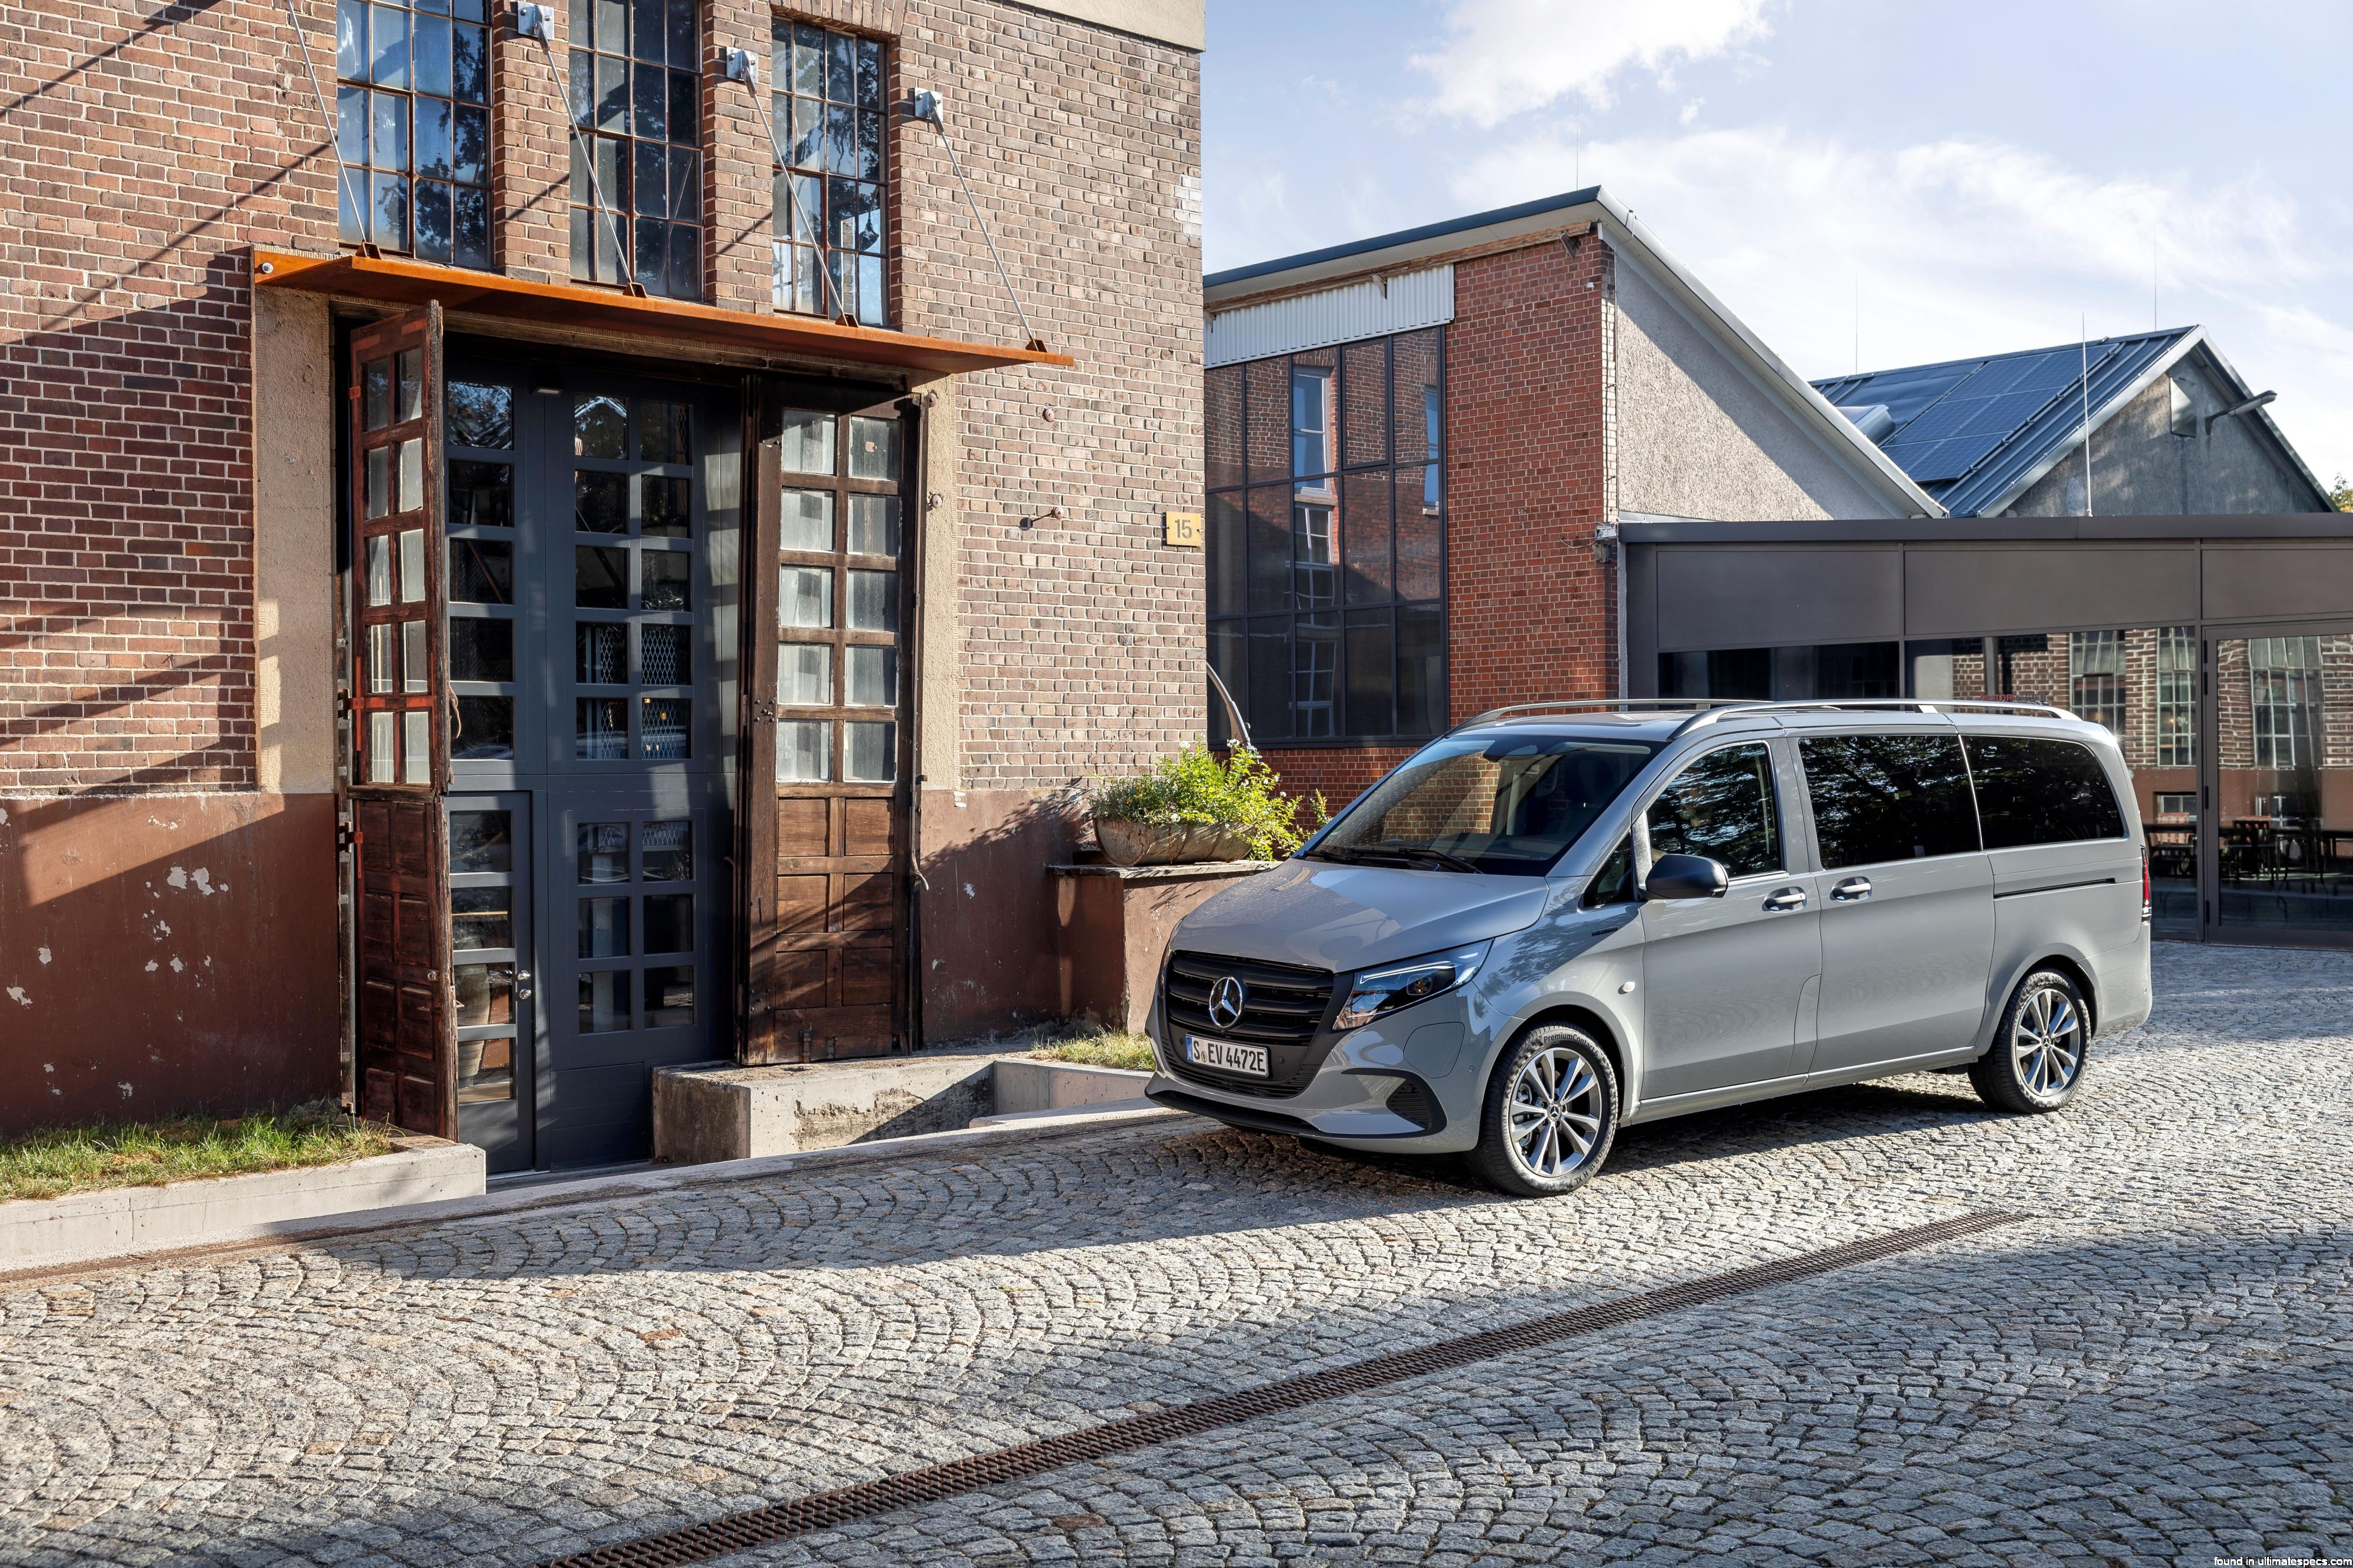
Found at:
<point>1227,998</point>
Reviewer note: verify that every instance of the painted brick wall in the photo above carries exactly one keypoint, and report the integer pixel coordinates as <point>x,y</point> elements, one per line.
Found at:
<point>139,148</point>
<point>1082,647</point>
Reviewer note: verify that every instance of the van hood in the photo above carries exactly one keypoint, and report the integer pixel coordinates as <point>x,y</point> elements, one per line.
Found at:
<point>1329,916</point>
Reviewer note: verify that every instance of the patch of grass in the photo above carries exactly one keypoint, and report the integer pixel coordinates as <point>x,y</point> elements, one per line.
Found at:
<point>1107,1048</point>
<point>60,1160</point>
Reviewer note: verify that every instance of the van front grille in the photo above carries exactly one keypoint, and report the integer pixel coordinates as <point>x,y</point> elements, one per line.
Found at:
<point>1284,1009</point>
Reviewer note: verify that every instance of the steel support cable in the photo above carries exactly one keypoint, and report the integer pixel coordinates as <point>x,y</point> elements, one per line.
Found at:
<point>927,107</point>
<point>334,126</point>
<point>750,80</point>
<point>534,22</point>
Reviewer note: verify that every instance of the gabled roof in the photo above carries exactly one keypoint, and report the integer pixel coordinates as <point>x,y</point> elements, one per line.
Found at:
<point>1977,433</point>
<point>1632,243</point>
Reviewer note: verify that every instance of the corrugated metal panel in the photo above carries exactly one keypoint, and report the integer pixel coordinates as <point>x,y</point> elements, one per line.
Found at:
<point>1369,310</point>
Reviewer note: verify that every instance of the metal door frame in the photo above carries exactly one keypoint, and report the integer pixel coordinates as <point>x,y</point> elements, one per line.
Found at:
<point>2210,788</point>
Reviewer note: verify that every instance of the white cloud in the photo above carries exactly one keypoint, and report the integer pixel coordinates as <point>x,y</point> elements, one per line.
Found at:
<point>1503,58</point>
<point>1964,247</point>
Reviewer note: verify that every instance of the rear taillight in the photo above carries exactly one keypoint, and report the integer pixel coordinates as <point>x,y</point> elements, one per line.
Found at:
<point>2144,884</point>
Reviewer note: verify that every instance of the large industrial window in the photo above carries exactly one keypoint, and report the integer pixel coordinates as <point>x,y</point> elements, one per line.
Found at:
<point>413,127</point>
<point>2177,696</point>
<point>2284,674</point>
<point>1327,541</point>
<point>831,232</point>
<point>637,98</point>
<point>2095,677</point>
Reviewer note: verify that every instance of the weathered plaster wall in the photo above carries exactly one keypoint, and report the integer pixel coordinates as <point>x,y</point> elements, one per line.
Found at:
<point>1696,437</point>
<point>293,543</point>
<point>165,954</point>
<point>2140,469</point>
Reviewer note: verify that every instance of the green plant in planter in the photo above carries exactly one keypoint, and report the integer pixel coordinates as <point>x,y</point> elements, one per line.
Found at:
<point>1194,790</point>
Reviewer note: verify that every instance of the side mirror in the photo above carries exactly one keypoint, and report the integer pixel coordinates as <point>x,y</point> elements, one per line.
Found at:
<point>1686,877</point>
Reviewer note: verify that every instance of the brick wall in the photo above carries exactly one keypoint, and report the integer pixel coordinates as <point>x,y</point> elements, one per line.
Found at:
<point>1530,610</point>
<point>1082,647</point>
<point>139,150</point>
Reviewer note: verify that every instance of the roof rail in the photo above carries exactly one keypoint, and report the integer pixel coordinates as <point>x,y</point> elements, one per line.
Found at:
<point>1583,705</point>
<point>1902,704</point>
<point>1708,709</point>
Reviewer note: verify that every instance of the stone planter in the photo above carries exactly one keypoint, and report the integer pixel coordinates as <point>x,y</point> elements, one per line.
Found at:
<point>1126,843</point>
<point>1114,924</point>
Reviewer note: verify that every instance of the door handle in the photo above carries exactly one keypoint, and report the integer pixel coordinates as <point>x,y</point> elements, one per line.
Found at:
<point>522,985</point>
<point>1854,889</point>
<point>1787,899</point>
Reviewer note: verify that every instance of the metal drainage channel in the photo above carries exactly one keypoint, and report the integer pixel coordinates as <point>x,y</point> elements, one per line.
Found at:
<point>934,1483</point>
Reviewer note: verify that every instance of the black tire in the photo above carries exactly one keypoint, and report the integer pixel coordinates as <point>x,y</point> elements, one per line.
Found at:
<point>1499,1161</point>
<point>2039,1049</point>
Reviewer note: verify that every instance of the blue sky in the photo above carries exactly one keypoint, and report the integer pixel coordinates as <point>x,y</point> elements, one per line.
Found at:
<point>1979,176</point>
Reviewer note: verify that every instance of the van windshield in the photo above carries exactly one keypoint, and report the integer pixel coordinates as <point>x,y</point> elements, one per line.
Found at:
<point>1508,806</point>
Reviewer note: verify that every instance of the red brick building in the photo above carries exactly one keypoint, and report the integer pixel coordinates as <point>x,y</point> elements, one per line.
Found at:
<point>1526,378</point>
<point>533,547</point>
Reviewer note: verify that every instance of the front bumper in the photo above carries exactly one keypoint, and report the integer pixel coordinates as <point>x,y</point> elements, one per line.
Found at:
<point>1397,1083</point>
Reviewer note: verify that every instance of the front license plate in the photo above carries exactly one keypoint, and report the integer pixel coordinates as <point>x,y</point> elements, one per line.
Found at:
<point>1226,1055</point>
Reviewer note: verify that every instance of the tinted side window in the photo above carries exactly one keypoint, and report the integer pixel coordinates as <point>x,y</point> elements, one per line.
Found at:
<point>1614,883</point>
<point>2042,791</point>
<point>1721,806</point>
<point>1888,797</point>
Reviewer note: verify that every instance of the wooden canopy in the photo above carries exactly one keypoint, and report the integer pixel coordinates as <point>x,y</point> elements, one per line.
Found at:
<point>397,281</point>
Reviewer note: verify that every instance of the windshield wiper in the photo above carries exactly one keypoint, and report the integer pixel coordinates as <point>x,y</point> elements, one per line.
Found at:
<point>1438,856</point>
<point>1391,855</point>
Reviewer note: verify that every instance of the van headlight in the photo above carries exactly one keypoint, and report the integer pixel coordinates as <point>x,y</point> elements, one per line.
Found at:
<point>1379,991</point>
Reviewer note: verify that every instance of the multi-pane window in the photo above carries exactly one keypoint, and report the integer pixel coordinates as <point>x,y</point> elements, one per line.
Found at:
<point>637,98</point>
<point>830,257</point>
<point>838,687</point>
<point>413,127</point>
<point>2095,671</point>
<point>2284,674</point>
<point>479,438</point>
<point>1327,540</point>
<point>2177,696</point>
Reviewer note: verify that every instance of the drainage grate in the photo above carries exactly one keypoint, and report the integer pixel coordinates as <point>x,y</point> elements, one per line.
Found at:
<point>934,1483</point>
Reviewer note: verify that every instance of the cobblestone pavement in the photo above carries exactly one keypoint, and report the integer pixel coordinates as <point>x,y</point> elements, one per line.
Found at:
<point>2157,1367</point>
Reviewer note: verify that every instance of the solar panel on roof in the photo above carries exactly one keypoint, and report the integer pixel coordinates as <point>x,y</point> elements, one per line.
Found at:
<point>1929,462</point>
<point>1907,392</point>
<point>2025,372</point>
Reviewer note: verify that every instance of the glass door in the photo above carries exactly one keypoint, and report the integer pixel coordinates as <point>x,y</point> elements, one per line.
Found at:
<point>491,968</point>
<point>2280,780</point>
<point>636,586</point>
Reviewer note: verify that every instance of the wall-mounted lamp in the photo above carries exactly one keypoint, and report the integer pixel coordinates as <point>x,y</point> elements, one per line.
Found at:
<point>2249,406</point>
<point>1051,514</point>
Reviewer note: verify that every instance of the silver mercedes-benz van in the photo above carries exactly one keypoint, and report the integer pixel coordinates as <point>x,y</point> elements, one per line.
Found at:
<point>1557,920</point>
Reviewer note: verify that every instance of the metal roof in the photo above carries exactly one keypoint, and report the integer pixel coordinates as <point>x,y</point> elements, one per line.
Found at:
<point>1355,247</point>
<point>1973,433</point>
<point>1633,244</point>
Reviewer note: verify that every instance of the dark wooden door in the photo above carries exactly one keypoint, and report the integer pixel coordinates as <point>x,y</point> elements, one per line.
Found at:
<point>404,1035</point>
<point>828,790</point>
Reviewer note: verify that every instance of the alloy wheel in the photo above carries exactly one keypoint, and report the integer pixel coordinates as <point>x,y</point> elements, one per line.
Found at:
<point>1556,1111</point>
<point>2046,1042</point>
